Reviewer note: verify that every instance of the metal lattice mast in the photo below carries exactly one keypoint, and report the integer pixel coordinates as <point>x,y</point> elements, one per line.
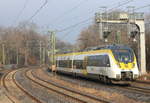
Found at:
<point>26,54</point>
<point>17,59</point>
<point>43,55</point>
<point>3,46</point>
<point>52,47</point>
<point>40,52</point>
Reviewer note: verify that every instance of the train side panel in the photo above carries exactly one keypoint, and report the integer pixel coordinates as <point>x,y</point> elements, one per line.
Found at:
<point>83,64</point>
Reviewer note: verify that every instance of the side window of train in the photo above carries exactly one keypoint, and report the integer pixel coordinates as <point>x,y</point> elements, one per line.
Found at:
<point>91,61</point>
<point>63,63</point>
<point>99,61</point>
<point>57,63</point>
<point>78,64</point>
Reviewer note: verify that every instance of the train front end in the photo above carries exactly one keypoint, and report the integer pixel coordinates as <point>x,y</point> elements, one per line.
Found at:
<point>125,67</point>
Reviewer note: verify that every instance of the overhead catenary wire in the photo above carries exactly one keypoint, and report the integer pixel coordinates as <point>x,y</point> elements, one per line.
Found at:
<point>119,5</point>
<point>70,10</point>
<point>145,6</point>
<point>21,11</point>
<point>74,25</point>
<point>38,10</point>
<point>66,34</point>
<point>69,27</point>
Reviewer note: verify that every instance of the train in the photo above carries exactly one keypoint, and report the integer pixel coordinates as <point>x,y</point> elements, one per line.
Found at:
<point>106,63</point>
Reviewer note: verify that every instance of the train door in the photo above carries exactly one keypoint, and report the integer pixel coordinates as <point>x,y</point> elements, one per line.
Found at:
<point>106,64</point>
<point>85,65</point>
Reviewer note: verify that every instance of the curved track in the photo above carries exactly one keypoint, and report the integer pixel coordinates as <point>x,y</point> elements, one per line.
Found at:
<point>9,82</point>
<point>2,83</point>
<point>10,76</point>
<point>68,92</point>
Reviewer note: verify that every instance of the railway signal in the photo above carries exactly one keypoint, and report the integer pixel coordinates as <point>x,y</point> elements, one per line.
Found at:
<point>105,35</point>
<point>125,18</point>
<point>133,35</point>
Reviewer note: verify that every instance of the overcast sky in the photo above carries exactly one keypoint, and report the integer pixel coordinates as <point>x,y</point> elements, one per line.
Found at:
<point>58,14</point>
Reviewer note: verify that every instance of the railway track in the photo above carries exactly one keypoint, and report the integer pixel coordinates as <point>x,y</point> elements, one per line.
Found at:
<point>132,89</point>
<point>135,89</point>
<point>68,92</point>
<point>143,82</point>
<point>140,89</point>
<point>10,76</point>
<point>2,83</point>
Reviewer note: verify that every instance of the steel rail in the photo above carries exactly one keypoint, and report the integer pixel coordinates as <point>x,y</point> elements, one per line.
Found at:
<point>70,89</point>
<point>6,88</point>
<point>24,90</point>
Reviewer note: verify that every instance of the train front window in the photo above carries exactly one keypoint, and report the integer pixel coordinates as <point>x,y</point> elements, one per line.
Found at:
<point>123,55</point>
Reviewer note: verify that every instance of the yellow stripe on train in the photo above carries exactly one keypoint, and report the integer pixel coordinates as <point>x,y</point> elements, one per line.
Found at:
<point>127,66</point>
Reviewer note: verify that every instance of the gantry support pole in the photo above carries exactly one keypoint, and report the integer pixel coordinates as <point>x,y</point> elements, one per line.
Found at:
<point>141,27</point>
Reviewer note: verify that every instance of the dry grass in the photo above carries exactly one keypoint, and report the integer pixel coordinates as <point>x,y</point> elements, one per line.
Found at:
<point>145,77</point>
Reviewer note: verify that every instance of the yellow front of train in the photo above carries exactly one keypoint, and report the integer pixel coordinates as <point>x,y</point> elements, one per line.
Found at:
<point>125,67</point>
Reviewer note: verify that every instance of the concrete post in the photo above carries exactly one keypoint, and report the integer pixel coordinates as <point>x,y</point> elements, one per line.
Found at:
<point>142,46</point>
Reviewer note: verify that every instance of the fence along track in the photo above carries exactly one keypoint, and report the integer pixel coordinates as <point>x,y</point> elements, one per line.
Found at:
<point>66,89</point>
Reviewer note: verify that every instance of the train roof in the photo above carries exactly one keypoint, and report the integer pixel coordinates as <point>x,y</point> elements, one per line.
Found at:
<point>111,47</point>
